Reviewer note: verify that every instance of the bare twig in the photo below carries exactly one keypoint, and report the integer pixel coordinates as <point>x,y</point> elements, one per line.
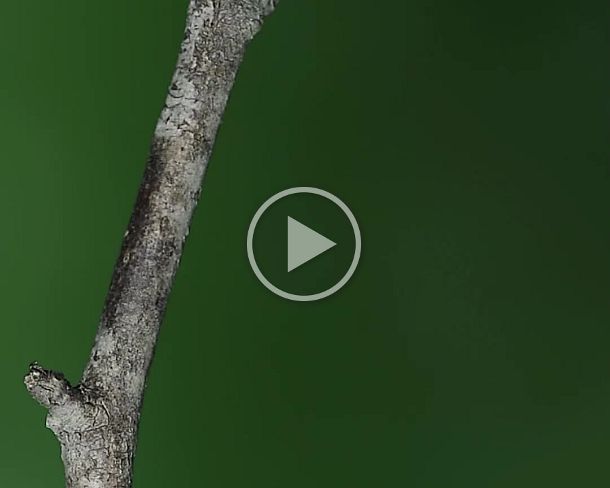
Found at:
<point>96,421</point>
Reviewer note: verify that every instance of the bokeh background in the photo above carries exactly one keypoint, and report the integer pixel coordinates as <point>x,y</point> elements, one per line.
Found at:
<point>471,348</point>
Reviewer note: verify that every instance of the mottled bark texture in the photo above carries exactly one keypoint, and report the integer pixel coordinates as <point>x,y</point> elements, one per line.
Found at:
<point>96,421</point>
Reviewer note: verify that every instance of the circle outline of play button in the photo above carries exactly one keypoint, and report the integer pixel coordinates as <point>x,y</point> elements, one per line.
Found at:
<point>315,296</point>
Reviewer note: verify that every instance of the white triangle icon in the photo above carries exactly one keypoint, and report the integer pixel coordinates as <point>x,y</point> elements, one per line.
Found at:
<point>304,244</point>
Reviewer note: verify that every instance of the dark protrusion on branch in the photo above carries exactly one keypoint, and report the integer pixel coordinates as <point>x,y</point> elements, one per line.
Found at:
<point>49,388</point>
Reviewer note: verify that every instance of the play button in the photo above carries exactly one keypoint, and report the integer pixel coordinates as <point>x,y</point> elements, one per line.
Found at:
<point>303,244</point>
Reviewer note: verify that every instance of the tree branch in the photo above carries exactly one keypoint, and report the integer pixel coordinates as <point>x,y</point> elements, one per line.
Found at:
<point>96,422</point>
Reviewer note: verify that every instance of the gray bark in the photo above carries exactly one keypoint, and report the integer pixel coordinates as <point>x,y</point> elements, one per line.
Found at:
<point>96,421</point>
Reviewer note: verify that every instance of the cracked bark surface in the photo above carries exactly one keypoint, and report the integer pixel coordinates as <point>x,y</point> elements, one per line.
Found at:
<point>96,421</point>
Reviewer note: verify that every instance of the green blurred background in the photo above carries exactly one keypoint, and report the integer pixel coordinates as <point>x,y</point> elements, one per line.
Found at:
<point>471,348</point>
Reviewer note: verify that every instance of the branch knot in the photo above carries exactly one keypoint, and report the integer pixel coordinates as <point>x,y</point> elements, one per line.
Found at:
<point>49,388</point>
